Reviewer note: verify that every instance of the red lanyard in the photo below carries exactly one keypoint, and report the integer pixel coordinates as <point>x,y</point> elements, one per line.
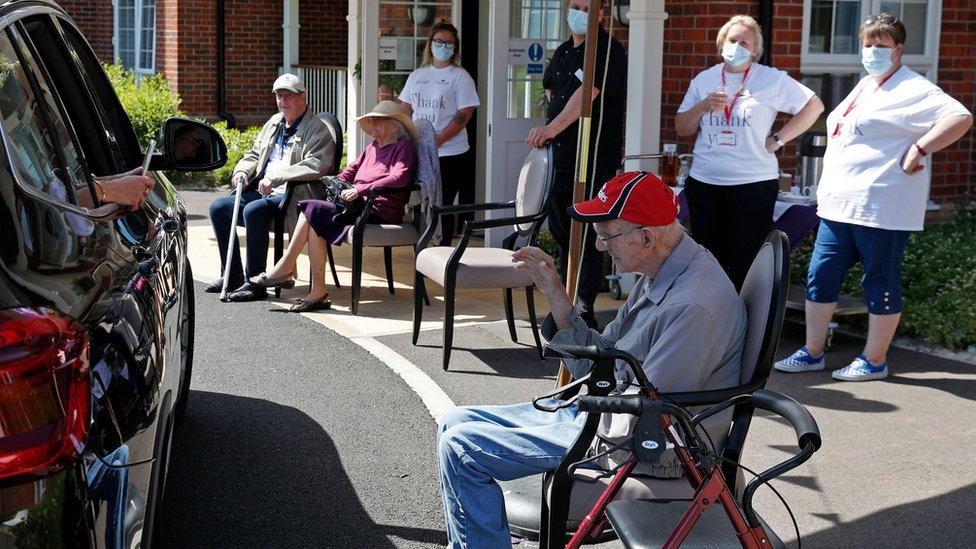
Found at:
<point>853,103</point>
<point>742,85</point>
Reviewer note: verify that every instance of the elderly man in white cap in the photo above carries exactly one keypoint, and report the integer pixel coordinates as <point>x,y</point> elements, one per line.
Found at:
<point>294,145</point>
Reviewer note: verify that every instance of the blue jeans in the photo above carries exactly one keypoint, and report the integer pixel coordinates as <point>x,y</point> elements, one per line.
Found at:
<point>840,245</point>
<point>477,445</point>
<point>256,216</point>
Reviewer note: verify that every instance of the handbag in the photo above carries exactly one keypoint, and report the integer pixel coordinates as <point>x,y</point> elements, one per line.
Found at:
<point>345,210</point>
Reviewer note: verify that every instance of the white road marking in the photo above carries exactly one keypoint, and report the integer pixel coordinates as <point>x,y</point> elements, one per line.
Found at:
<point>433,397</point>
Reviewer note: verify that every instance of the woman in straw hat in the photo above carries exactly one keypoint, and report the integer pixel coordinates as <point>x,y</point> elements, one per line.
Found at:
<point>388,161</point>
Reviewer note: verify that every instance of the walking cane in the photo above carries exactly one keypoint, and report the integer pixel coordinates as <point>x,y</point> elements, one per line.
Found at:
<point>231,241</point>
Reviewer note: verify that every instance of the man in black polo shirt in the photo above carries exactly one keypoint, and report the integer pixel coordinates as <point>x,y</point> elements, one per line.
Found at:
<point>562,81</point>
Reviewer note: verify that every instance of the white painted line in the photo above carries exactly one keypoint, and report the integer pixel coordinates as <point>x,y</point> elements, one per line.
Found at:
<point>433,397</point>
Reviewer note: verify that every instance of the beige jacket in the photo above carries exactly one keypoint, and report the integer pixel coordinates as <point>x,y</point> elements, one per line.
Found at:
<point>312,152</point>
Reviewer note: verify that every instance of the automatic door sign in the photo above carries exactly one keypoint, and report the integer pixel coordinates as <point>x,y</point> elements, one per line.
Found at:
<point>536,51</point>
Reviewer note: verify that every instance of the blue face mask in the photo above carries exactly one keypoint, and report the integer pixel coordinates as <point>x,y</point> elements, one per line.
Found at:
<point>577,20</point>
<point>442,52</point>
<point>735,55</point>
<point>876,60</point>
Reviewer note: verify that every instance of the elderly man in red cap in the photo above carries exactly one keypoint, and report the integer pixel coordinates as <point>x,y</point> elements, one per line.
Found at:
<point>683,320</point>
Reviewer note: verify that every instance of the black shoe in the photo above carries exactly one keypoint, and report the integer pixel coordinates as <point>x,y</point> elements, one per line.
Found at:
<point>247,292</point>
<point>217,285</point>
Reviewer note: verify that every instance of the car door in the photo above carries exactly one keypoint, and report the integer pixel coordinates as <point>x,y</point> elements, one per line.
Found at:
<point>128,302</point>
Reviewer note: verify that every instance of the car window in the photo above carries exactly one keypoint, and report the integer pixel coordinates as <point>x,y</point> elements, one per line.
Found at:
<point>34,149</point>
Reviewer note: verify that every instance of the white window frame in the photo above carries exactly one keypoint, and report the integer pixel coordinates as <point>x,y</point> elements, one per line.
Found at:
<point>137,23</point>
<point>840,63</point>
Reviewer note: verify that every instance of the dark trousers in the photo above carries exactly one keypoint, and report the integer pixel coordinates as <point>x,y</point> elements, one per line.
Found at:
<point>732,221</point>
<point>591,264</point>
<point>256,216</point>
<point>457,181</point>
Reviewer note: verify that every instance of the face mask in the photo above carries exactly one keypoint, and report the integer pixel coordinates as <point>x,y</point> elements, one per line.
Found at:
<point>876,60</point>
<point>577,20</point>
<point>442,52</point>
<point>735,55</point>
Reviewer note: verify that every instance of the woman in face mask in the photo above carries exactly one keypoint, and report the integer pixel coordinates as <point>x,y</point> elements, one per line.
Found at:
<point>733,182</point>
<point>443,93</point>
<point>872,194</point>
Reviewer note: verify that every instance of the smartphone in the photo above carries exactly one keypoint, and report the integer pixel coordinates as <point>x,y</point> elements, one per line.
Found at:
<point>149,153</point>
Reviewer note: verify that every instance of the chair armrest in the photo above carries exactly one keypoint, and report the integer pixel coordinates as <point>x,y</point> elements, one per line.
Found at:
<point>290,193</point>
<point>462,208</point>
<point>470,226</point>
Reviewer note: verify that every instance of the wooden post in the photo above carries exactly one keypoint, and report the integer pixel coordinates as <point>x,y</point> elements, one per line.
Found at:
<point>582,160</point>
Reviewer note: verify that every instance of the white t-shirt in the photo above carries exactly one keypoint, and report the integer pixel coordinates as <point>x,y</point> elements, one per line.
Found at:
<point>279,159</point>
<point>735,153</point>
<point>862,181</point>
<point>437,95</point>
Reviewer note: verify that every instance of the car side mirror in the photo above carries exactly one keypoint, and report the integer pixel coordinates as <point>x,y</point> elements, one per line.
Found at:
<point>190,146</point>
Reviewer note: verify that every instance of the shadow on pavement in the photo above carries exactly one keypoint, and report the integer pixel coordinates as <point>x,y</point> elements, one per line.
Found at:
<point>252,473</point>
<point>941,521</point>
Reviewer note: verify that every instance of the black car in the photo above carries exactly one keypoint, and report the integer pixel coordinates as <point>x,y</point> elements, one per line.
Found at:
<point>96,301</point>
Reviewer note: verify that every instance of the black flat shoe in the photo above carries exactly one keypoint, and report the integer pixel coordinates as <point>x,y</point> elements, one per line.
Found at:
<point>217,285</point>
<point>265,281</point>
<point>247,292</point>
<point>304,306</point>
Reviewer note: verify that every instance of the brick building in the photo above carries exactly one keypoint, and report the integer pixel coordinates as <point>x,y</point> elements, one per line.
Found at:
<point>815,40</point>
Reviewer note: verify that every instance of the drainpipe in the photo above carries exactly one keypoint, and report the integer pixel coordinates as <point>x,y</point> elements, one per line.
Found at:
<point>221,68</point>
<point>766,22</point>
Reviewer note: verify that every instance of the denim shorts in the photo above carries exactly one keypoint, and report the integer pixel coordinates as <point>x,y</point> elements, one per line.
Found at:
<point>839,246</point>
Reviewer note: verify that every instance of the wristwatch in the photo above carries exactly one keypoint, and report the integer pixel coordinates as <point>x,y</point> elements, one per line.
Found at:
<point>778,141</point>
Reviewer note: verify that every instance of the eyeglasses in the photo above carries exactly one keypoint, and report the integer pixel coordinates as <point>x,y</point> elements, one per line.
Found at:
<point>885,19</point>
<point>439,43</point>
<point>193,140</point>
<point>607,239</point>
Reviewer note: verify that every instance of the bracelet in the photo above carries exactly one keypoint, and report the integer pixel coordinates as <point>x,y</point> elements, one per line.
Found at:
<point>778,140</point>
<point>100,188</point>
<point>921,150</point>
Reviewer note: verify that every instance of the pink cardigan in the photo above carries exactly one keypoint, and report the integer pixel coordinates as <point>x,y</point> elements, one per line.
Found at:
<point>379,167</point>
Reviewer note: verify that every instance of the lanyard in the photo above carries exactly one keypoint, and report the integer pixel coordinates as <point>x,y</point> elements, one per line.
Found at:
<point>742,85</point>
<point>853,103</point>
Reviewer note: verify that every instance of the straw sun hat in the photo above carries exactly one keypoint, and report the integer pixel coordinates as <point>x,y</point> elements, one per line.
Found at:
<point>390,109</point>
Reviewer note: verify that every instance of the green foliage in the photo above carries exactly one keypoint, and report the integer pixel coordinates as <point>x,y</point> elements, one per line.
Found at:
<point>548,244</point>
<point>238,143</point>
<point>938,282</point>
<point>148,102</point>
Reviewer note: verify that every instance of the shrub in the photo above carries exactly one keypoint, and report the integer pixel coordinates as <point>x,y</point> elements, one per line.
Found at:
<point>148,102</point>
<point>938,282</point>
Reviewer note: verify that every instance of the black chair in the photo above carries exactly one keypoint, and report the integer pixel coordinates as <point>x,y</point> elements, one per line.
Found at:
<point>464,267</point>
<point>301,190</point>
<point>566,497</point>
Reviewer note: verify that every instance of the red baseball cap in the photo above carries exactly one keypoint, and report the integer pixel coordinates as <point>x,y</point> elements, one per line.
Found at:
<point>638,197</point>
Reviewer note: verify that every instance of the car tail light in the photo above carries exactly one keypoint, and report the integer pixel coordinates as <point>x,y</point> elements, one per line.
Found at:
<point>44,391</point>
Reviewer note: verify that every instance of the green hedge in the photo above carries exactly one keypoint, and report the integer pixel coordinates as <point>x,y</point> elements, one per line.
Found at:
<point>238,143</point>
<point>148,103</point>
<point>938,282</point>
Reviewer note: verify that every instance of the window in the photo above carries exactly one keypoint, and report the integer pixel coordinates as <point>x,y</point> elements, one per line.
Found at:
<point>830,60</point>
<point>532,21</point>
<point>403,29</point>
<point>42,157</point>
<point>135,35</point>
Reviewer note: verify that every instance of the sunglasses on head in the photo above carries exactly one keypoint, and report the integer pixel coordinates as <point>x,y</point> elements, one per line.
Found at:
<point>885,19</point>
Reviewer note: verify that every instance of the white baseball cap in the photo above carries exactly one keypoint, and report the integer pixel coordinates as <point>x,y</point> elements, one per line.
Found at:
<point>289,82</point>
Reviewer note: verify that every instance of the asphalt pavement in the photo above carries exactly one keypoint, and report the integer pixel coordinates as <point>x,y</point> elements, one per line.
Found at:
<point>296,437</point>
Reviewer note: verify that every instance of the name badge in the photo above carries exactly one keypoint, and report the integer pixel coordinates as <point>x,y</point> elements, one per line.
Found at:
<point>726,138</point>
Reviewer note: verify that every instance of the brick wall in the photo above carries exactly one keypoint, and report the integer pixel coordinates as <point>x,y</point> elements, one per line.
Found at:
<point>323,38</point>
<point>95,18</point>
<point>954,169</point>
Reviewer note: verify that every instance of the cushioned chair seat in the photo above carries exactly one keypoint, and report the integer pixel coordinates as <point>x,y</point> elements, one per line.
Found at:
<point>388,234</point>
<point>644,524</point>
<point>479,267</point>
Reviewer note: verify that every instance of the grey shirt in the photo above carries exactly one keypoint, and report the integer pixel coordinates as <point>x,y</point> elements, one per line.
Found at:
<point>687,326</point>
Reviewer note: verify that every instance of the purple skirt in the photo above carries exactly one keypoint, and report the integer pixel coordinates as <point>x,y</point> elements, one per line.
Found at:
<point>327,222</point>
